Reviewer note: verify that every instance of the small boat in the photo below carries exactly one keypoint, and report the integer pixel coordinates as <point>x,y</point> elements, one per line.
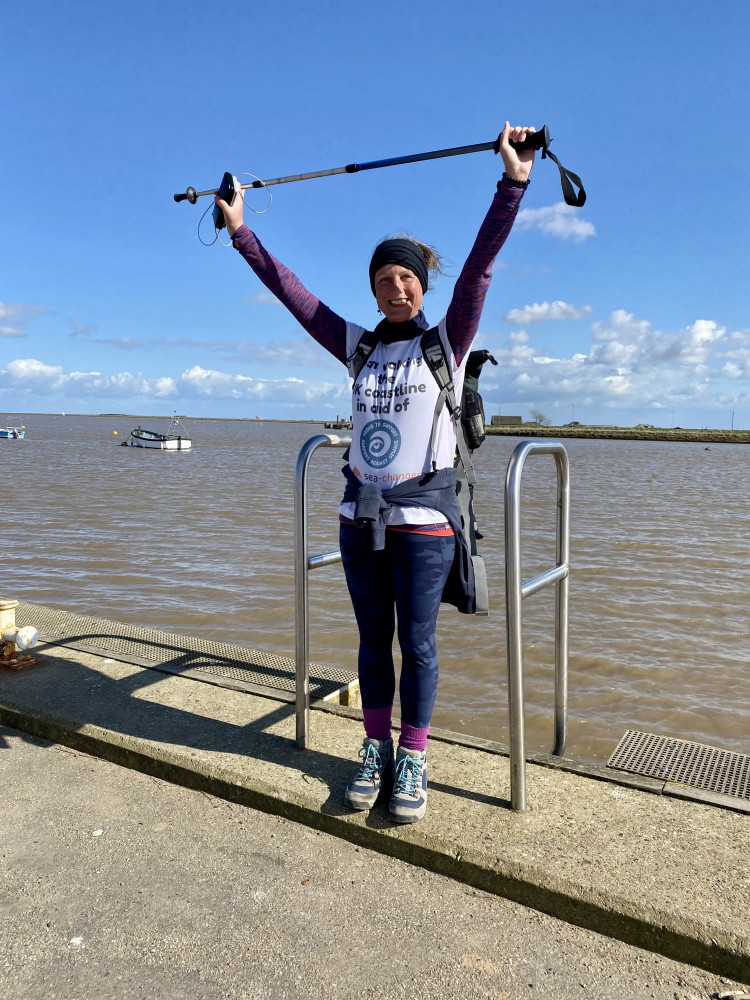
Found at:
<point>12,432</point>
<point>172,440</point>
<point>338,424</point>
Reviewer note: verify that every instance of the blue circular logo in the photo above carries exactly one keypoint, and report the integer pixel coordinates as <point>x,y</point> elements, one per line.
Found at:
<point>379,442</point>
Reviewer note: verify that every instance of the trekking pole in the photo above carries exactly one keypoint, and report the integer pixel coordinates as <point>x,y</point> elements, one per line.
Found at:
<point>192,195</point>
<point>534,140</point>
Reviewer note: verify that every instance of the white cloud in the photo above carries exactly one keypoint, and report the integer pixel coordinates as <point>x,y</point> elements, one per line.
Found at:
<point>30,374</point>
<point>123,343</point>
<point>302,353</point>
<point>263,299</point>
<point>204,382</point>
<point>538,312</point>
<point>627,365</point>
<point>623,327</point>
<point>628,341</point>
<point>29,370</point>
<point>81,329</point>
<point>697,341</point>
<point>13,318</point>
<point>617,384</point>
<point>305,353</point>
<point>740,337</point>
<point>559,220</point>
<point>519,348</point>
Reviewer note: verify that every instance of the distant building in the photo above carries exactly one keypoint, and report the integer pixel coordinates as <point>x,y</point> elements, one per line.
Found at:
<point>506,421</point>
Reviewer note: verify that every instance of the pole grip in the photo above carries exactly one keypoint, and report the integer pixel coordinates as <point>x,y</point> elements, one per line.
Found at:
<point>534,140</point>
<point>190,195</point>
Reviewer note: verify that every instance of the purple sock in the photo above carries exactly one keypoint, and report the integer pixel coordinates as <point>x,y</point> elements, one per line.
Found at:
<point>378,722</point>
<point>412,738</point>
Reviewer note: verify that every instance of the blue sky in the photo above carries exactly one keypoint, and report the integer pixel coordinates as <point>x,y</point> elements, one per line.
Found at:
<point>632,309</point>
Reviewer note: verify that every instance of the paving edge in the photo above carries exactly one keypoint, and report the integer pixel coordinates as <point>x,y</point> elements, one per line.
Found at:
<point>658,931</point>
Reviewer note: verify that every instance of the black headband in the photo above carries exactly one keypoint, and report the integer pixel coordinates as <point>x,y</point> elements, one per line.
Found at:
<point>404,252</point>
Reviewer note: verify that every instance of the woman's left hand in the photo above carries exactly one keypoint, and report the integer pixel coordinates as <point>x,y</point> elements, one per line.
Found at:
<point>518,163</point>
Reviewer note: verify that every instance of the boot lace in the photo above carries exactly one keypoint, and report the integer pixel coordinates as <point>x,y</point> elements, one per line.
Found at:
<point>371,763</point>
<point>408,774</point>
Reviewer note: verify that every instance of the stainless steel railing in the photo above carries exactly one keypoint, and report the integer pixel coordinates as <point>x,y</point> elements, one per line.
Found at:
<point>303,563</point>
<point>516,591</point>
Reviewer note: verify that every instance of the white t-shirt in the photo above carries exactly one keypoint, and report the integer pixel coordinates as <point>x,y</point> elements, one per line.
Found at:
<point>393,404</point>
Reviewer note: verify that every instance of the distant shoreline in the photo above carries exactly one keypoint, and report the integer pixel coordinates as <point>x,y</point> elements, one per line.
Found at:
<point>705,435</point>
<point>180,416</point>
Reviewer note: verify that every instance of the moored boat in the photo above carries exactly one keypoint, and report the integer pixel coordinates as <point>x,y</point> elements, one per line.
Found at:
<point>12,432</point>
<point>172,440</point>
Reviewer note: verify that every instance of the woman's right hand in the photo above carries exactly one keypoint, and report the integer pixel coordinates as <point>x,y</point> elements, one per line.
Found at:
<point>234,213</point>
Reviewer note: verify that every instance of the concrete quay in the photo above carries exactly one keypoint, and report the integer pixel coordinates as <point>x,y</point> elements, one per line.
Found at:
<point>657,871</point>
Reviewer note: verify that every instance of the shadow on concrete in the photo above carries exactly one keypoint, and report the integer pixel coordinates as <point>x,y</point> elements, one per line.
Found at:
<point>68,689</point>
<point>74,695</point>
<point>176,658</point>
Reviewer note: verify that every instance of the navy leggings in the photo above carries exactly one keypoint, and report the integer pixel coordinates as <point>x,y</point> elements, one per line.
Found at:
<point>403,581</point>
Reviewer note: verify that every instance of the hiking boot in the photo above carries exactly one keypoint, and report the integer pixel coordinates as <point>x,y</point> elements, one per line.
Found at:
<point>409,795</point>
<point>375,773</point>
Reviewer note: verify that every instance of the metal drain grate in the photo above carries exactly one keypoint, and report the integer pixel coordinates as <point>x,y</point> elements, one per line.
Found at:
<point>158,650</point>
<point>693,764</point>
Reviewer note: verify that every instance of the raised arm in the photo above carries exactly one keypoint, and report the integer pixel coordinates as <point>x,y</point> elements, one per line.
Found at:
<point>465,309</point>
<point>322,323</point>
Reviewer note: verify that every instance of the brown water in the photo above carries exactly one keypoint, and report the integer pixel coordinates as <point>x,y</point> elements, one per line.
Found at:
<point>201,543</point>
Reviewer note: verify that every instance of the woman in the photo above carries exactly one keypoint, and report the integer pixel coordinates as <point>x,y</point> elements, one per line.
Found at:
<point>397,541</point>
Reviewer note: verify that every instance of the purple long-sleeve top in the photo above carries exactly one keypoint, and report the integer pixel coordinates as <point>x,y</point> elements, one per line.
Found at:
<point>464,311</point>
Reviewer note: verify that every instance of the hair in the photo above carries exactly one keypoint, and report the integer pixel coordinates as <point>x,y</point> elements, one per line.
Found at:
<point>432,257</point>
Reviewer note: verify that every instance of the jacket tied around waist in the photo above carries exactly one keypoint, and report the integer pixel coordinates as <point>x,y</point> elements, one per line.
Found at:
<point>435,490</point>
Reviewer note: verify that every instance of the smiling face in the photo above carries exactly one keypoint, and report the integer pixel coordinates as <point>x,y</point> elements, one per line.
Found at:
<point>398,293</point>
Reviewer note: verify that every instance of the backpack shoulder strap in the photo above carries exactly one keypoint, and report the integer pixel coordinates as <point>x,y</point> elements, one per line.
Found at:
<point>434,355</point>
<point>365,346</point>
<point>437,362</point>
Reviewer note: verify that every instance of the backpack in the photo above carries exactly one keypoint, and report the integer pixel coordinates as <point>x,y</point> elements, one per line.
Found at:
<point>469,420</point>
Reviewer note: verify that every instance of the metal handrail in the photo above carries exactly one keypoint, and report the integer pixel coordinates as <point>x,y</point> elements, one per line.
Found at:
<point>303,563</point>
<point>516,591</point>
